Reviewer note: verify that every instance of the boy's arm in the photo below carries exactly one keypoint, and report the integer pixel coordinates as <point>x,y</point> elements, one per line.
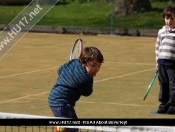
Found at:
<point>86,87</point>
<point>157,47</point>
<point>86,90</point>
<point>83,81</point>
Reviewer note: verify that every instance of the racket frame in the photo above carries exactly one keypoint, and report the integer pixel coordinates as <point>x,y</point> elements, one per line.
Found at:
<point>151,83</point>
<point>80,42</point>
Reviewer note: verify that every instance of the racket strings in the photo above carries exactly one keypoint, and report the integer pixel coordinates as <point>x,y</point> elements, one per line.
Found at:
<point>76,52</point>
<point>77,49</point>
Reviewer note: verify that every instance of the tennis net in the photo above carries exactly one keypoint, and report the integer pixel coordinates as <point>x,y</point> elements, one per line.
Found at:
<point>23,123</point>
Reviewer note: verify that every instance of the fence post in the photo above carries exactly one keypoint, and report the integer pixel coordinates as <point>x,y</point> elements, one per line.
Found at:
<point>112,16</point>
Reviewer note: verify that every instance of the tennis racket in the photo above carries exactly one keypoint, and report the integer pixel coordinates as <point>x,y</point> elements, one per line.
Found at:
<point>76,49</point>
<point>151,83</point>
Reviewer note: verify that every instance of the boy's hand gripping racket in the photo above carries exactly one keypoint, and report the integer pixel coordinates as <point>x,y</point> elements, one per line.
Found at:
<point>151,83</point>
<point>76,49</point>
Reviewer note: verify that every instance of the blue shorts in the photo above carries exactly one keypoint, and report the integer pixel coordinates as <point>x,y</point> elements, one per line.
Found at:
<point>67,112</point>
<point>64,111</point>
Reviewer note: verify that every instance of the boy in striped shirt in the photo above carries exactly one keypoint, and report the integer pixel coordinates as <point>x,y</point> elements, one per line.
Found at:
<point>75,79</point>
<point>165,57</point>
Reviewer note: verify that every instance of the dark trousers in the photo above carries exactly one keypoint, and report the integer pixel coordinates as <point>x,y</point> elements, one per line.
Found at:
<point>65,112</point>
<point>166,79</point>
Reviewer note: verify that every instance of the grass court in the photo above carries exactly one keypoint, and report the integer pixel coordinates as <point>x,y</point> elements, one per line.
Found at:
<point>29,70</point>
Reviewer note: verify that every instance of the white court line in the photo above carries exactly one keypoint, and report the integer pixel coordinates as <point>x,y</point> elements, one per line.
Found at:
<point>106,103</point>
<point>94,82</point>
<point>17,74</point>
<point>23,73</point>
<point>110,78</point>
<point>23,97</point>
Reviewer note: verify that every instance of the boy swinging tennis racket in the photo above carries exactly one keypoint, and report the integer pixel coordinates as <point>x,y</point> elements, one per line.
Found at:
<point>75,79</point>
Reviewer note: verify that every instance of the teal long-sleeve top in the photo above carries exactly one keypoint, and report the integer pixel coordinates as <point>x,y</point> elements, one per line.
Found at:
<point>73,81</point>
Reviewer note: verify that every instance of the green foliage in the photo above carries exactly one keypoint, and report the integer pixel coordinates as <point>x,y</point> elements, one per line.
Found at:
<point>92,14</point>
<point>162,0</point>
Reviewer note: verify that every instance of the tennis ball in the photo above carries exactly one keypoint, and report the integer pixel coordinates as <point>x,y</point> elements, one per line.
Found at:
<point>60,129</point>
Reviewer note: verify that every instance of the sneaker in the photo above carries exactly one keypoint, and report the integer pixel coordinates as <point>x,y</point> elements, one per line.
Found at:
<point>161,111</point>
<point>163,107</point>
<point>171,110</point>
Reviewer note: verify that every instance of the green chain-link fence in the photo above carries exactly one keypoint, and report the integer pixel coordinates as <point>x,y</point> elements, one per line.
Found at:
<point>100,16</point>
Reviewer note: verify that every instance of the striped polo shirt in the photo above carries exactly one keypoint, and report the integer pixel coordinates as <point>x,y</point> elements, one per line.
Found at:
<point>72,82</point>
<point>165,46</point>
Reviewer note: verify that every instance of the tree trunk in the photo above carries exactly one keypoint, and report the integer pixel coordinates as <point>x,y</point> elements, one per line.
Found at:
<point>121,7</point>
<point>132,6</point>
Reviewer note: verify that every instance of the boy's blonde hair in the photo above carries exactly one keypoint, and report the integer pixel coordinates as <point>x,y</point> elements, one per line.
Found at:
<point>89,54</point>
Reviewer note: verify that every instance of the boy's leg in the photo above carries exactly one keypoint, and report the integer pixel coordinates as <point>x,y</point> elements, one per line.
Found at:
<point>171,101</point>
<point>65,112</point>
<point>164,89</point>
<point>56,111</point>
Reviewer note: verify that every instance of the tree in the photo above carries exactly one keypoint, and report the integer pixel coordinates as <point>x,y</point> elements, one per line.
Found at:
<point>132,6</point>
<point>15,2</point>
